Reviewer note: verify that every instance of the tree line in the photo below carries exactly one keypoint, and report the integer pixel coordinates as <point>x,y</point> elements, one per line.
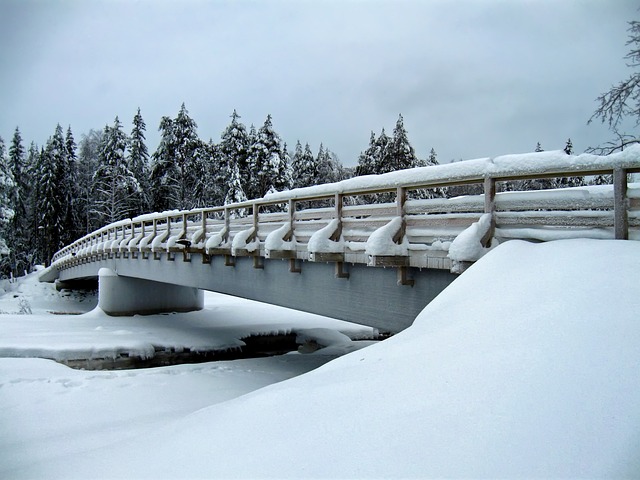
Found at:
<point>51,195</point>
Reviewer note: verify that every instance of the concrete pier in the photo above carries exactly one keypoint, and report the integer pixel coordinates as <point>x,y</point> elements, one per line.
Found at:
<point>120,295</point>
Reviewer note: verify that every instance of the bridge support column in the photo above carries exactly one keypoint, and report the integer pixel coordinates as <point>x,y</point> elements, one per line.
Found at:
<point>119,295</point>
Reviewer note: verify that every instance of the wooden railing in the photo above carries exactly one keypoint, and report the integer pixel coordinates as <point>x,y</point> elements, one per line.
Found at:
<point>406,232</point>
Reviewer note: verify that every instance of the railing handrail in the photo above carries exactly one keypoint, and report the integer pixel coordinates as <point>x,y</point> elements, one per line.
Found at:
<point>502,168</point>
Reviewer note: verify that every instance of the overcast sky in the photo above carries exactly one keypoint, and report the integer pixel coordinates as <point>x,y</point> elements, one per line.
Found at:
<point>471,78</point>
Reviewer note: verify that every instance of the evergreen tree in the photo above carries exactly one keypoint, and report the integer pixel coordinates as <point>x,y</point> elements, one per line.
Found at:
<point>31,203</point>
<point>326,167</point>
<point>266,165</point>
<point>68,173</point>
<point>233,147</point>
<point>88,162</point>
<point>187,149</point>
<point>138,164</point>
<point>401,154</point>
<point>6,213</point>
<point>235,193</point>
<point>568,148</point>
<point>297,179</point>
<point>432,159</point>
<point>304,167</point>
<point>382,162</point>
<point>18,229</point>
<point>538,148</point>
<point>114,183</point>
<point>164,172</point>
<point>367,162</point>
<point>50,208</point>
<point>174,173</point>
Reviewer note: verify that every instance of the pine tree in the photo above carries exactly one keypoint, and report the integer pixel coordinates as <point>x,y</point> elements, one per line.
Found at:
<point>327,171</point>
<point>49,204</point>
<point>538,148</point>
<point>568,148</point>
<point>235,193</point>
<point>367,159</point>
<point>164,172</point>
<point>6,213</point>
<point>433,158</point>
<point>31,202</point>
<point>138,164</point>
<point>187,147</point>
<point>382,161</point>
<point>234,146</point>
<point>266,165</point>
<point>88,162</point>
<point>68,172</point>
<point>174,176</point>
<point>18,229</point>
<point>297,179</point>
<point>401,154</point>
<point>304,167</point>
<point>114,183</point>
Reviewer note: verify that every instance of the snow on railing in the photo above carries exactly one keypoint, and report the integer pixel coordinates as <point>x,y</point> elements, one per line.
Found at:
<point>407,232</point>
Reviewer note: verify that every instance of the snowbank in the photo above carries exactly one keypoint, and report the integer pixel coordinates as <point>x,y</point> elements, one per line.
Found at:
<point>526,366</point>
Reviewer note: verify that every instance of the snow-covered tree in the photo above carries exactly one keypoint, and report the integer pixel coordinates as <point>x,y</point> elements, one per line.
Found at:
<point>367,162</point>
<point>538,148</point>
<point>568,147</point>
<point>235,193</point>
<point>6,213</point>
<point>267,166</point>
<point>234,147</point>
<point>67,173</point>
<point>432,159</point>
<point>138,164</point>
<point>114,183</point>
<point>399,152</point>
<point>327,169</point>
<point>88,160</point>
<point>18,230</point>
<point>50,207</point>
<point>174,175</point>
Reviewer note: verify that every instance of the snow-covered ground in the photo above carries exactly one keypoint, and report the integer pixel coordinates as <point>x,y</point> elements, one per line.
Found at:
<point>527,365</point>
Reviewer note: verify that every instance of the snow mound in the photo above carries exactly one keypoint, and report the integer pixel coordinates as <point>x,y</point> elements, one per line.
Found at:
<point>526,366</point>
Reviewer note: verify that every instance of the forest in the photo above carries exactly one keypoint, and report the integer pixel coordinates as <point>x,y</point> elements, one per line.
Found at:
<point>51,195</point>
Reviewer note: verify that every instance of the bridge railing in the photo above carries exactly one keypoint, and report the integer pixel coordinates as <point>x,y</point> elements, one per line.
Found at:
<point>401,232</point>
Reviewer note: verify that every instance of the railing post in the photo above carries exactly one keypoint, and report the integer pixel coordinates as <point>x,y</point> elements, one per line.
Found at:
<point>338,214</point>
<point>401,198</point>
<point>293,266</point>
<point>490,208</point>
<point>620,204</point>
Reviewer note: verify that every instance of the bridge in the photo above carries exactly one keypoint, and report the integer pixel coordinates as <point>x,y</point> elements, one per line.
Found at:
<point>372,250</point>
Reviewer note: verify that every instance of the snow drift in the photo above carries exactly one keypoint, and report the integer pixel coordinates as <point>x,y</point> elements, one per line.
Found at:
<point>526,366</point>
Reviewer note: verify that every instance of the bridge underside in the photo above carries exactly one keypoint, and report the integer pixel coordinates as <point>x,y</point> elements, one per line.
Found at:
<point>368,295</point>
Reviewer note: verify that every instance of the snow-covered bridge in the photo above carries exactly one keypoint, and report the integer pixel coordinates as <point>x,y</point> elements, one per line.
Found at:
<point>372,250</point>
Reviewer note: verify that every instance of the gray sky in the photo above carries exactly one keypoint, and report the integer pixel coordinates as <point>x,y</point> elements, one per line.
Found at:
<point>471,78</point>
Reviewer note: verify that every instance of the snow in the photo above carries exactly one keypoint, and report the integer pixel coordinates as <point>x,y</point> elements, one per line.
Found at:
<point>216,239</point>
<point>466,247</point>
<point>380,242</point>
<point>275,240</point>
<point>240,241</point>
<point>526,366</point>
<point>320,241</point>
